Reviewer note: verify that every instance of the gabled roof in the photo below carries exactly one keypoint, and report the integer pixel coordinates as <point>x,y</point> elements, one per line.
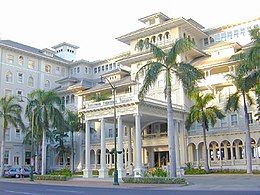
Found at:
<point>26,48</point>
<point>67,79</point>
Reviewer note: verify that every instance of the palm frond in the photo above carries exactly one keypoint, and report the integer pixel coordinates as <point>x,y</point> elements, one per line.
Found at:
<point>233,102</point>
<point>150,78</point>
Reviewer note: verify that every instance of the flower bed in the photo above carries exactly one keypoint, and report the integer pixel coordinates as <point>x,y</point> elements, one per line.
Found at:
<point>51,177</point>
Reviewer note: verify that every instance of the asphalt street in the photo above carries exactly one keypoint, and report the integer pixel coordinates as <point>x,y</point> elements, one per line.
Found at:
<point>7,188</point>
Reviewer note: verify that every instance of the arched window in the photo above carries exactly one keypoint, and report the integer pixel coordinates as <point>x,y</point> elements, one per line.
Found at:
<point>30,81</point>
<point>167,35</point>
<point>72,98</point>
<point>47,68</point>
<point>20,60</point>
<point>153,39</point>
<point>47,84</point>
<point>9,77</point>
<point>160,37</point>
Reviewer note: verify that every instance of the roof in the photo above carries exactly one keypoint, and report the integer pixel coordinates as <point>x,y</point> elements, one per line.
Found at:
<point>203,62</point>
<point>26,48</point>
<point>66,79</point>
<point>122,82</point>
<point>222,44</point>
<point>158,14</point>
<point>65,43</point>
<point>116,71</point>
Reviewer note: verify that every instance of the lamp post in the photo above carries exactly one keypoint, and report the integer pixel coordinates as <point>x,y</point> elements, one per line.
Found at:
<point>115,182</point>
<point>32,145</point>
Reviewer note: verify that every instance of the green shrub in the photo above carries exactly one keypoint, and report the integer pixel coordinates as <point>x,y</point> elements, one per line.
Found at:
<point>95,172</point>
<point>193,171</point>
<point>51,177</point>
<point>156,172</point>
<point>111,171</point>
<point>65,172</point>
<point>154,180</point>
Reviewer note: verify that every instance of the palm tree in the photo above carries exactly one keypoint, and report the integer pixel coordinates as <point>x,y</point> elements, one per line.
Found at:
<point>46,106</point>
<point>202,113</point>
<point>242,91</point>
<point>249,65</point>
<point>73,124</point>
<point>10,115</point>
<point>167,62</point>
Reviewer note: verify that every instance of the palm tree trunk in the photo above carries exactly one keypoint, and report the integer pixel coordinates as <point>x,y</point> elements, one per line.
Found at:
<point>248,138</point>
<point>72,151</point>
<point>2,154</point>
<point>171,135</point>
<point>43,152</point>
<point>206,162</point>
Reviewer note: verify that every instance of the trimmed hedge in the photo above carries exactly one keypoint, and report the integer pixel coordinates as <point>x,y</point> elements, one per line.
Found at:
<point>154,180</point>
<point>51,177</point>
<point>232,171</point>
<point>65,172</point>
<point>193,171</point>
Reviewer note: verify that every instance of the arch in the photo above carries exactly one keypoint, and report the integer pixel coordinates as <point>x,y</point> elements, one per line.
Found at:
<point>160,37</point>
<point>153,39</point>
<point>92,156</point>
<point>238,149</point>
<point>191,153</point>
<point>254,148</point>
<point>107,156</point>
<point>20,60</point>
<point>201,151</point>
<point>214,152</point>
<point>98,153</point>
<point>72,98</point>
<point>167,35</point>
<point>225,148</point>
<point>9,76</point>
<point>31,81</point>
<point>47,84</point>
<point>156,121</point>
<point>146,40</point>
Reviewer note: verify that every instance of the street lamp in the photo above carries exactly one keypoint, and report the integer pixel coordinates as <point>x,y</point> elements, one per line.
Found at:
<point>32,145</point>
<point>115,182</point>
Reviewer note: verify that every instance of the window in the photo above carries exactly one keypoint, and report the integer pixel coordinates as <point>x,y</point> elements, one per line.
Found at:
<point>86,69</point>
<point>7,134</point>
<point>236,33</point>
<point>103,68</point>
<point>31,64</point>
<point>95,70</point>
<point>10,58</point>
<point>78,69</point>
<point>206,41</point>
<point>67,99</point>
<point>30,81</point>
<point>27,158</point>
<point>211,40</point>
<point>250,117</point>
<point>47,84</point>
<point>9,77</point>
<point>223,122</point>
<point>223,36</point>
<point>16,160</point>
<point>20,77</point>
<point>57,70</point>
<point>242,31</point>
<point>8,92</point>
<point>6,157</point>
<point>110,67</point>
<point>230,35</point>
<point>19,93</point>
<point>217,38</point>
<point>99,69</point>
<point>110,133</point>
<point>17,134</point>
<point>106,67</point>
<point>20,60</point>
<point>47,68</point>
<point>233,119</point>
<point>72,100</point>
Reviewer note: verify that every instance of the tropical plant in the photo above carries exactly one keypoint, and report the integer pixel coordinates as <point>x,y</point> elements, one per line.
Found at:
<point>10,115</point>
<point>46,106</point>
<point>168,62</point>
<point>205,114</point>
<point>73,124</point>
<point>249,65</point>
<point>233,103</point>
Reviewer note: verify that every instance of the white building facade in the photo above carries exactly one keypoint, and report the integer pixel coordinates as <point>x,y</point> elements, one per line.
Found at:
<point>141,126</point>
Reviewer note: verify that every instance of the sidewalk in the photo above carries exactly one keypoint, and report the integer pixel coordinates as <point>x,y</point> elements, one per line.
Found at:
<point>198,182</point>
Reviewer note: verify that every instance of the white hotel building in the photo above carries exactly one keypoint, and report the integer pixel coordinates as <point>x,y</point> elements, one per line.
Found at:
<point>142,135</point>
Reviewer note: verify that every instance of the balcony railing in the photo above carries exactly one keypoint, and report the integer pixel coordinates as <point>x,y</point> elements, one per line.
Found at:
<point>213,79</point>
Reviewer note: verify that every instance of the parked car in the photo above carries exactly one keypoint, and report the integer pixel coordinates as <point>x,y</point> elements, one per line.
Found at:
<point>17,172</point>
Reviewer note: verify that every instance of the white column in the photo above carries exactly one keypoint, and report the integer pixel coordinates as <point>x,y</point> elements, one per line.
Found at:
<point>138,146</point>
<point>225,152</point>
<point>120,168</point>
<point>177,146</point>
<point>197,155</point>
<point>87,171</point>
<point>103,170</point>
<point>232,155</point>
<point>129,146</point>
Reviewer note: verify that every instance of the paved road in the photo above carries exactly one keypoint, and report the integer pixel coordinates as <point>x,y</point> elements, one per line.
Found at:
<point>7,188</point>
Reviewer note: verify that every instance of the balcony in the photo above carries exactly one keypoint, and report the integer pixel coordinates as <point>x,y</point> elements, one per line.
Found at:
<point>213,79</point>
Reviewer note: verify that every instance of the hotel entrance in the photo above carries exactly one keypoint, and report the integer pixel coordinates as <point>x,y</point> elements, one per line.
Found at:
<point>161,158</point>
